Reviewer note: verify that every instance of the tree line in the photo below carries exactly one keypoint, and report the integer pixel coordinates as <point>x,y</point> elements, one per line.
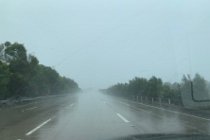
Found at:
<point>22,75</point>
<point>155,88</point>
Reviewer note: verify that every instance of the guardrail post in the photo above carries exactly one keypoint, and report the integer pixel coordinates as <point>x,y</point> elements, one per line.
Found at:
<point>169,101</point>
<point>137,98</point>
<point>160,101</point>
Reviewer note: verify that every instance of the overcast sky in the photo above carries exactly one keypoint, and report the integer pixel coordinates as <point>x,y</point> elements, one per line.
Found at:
<point>100,42</point>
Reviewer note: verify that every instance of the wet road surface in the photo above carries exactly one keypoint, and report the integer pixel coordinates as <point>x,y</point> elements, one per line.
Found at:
<point>93,116</point>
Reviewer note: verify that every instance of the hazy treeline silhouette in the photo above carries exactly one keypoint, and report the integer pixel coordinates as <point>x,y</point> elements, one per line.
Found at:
<point>22,75</point>
<point>154,88</point>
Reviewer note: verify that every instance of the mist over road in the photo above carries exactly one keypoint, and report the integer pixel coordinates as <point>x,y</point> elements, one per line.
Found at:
<point>93,116</point>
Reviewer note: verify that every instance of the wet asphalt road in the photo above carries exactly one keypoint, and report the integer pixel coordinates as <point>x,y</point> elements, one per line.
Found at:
<point>93,116</point>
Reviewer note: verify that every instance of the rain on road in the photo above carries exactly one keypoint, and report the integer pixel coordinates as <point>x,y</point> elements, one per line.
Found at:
<point>92,116</point>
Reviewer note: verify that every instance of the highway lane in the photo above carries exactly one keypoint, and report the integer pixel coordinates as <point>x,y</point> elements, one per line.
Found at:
<point>15,121</point>
<point>152,119</point>
<point>93,116</point>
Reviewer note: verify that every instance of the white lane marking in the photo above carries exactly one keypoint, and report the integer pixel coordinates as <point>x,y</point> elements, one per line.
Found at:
<point>31,108</point>
<point>185,114</point>
<point>140,109</point>
<point>68,107</point>
<point>38,127</point>
<point>21,106</point>
<point>124,103</point>
<point>28,109</point>
<point>123,118</point>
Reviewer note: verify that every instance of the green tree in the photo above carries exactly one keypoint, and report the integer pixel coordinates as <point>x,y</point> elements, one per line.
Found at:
<point>4,80</point>
<point>137,86</point>
<point>22,75</point>
<point>200,88</point>
<point>154,87</point>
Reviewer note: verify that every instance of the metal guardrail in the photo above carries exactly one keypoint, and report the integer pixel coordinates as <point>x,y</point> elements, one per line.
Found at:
<point>159,100</point>
<point>10,102</point>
